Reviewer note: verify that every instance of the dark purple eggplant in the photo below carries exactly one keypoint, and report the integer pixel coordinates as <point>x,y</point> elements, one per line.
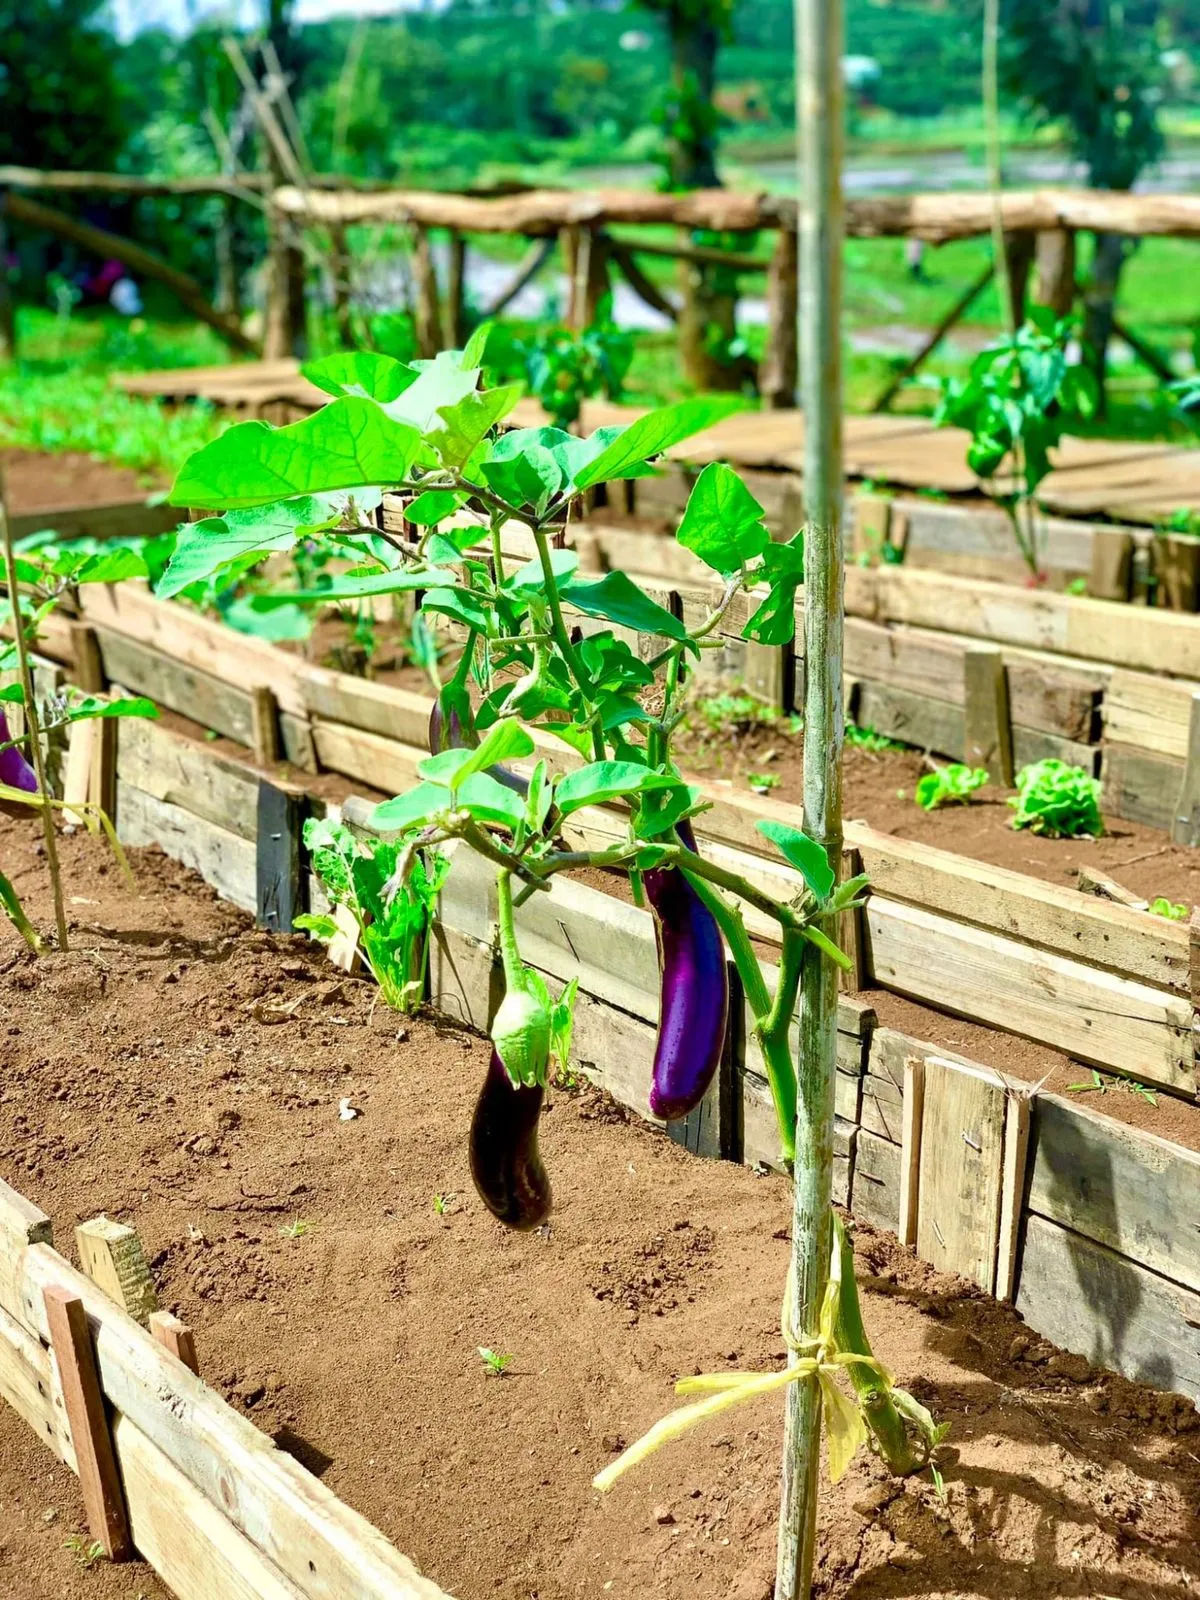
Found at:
<point>15,771</point>
<point>505,1163</point>
<point>694,1007</point>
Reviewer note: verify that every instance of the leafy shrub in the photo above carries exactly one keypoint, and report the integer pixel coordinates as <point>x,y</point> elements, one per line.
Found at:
<point>952,785</point>
<point>1057,801</point>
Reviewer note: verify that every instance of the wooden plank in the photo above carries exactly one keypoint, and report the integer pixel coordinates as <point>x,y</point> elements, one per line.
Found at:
<point>1095,1016</point>
<point>939,726</point>
<point>366,757</point>
<point>615,1051</point>
<point>987,731</point>
<point>100,1483</point>
<point>1186,826</point>
<point>29,1384</point>
<point>1048,915</point>
<point>223,859</point>
<point>112,1256</point>
<point>107,519</point>
<point>1017,1121</point>
<point>188,1540</point>
<point>176,1337</point>
<point>1090,881</point>
<point>265,736</point>
<point>385,709</point>
<point>181,771</point>
<point>1142,788</point>
<point>962,1142</point>
<point>326,1550</point>
<point>1153,714</point>
<point>1119,1186</point>
<point>1110,572</point>
<point>1089,1300</point>
<point>205,699</point>
<point>195,641</point>
<point>875,1192</point>
<point>461,976</point>
<point>280,865</point>
<point>912,1125</point>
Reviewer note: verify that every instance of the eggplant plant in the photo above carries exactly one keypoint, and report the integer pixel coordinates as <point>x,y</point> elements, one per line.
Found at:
<point>559,719</point>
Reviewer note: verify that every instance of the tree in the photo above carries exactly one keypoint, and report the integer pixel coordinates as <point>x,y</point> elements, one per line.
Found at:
<point>60,92</point>
<point>1093,67</point>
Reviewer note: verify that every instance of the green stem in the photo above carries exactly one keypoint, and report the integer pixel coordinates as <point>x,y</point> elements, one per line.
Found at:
<point>514,967</point>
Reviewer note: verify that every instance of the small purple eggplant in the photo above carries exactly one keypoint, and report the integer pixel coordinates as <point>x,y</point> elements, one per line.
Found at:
<point>505,1163</point>
<point>694,1007</point>
<point>452,727</point>
<point>15,771</point>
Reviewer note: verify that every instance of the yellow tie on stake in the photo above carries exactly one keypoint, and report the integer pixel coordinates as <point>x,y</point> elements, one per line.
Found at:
<point>845,1429</point>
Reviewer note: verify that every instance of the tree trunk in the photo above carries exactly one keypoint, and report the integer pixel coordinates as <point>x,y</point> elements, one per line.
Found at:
<point>708,314</point>
<point>1099,302</point>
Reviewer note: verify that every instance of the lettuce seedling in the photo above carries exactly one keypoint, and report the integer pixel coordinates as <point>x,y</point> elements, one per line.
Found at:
<point>392,908</point>
<point>1171,909</point>
<point>952,785</point>
<point>1057,801</point>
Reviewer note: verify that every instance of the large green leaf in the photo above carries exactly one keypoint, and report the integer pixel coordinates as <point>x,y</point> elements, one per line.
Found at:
<point>440,382</point>
<point>606,780</point>
<point>468,421</point>
<point>201,548</point>
<point>349,444</point>
<point>361,372</point>
<point>529,479</point>
<point>652,434</point>
<point>803,853</point>
<point>722,522</point>
<point>619,599</point>
<point>411,809</point>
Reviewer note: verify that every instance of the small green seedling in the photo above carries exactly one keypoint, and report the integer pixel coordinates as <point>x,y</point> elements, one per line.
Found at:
<point>442,1203</point>
<point>952,785</point>
<point>1162,907</point>
<point>1057,801</point>
<point>763,782</point>
<point>86,1551</point>
<point>1098,1083</point>
<point>493,1361</point>
<point>869,739</point>
<point>295,1230</point>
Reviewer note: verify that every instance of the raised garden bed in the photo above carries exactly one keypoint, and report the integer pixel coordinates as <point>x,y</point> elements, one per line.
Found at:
<point>195,1068</point>
<point>78,495</point>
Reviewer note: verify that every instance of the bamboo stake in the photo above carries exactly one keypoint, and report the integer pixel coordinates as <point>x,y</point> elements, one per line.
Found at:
<point>32,728</point>
<point>820,115</point>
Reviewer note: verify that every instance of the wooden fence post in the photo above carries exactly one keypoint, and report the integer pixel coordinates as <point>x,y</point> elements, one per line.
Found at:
<point>427,317</point>
<point>111,1255</point>
<point>987,721</point>
<point>1186,827</point>
<point>779,370</point>
<point>452,313</point>
<point>1111,575</point>
<point>1054,257</point>
<point>280,855</point>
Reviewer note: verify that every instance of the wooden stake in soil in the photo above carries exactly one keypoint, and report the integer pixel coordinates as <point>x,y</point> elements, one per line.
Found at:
<point>32,725</point>
<point>112,1256</point>
<point>819,101</point>
<point>176,1337</point>
<point>987,723</point>
<point>280,877</point>
<point>103,1500</point>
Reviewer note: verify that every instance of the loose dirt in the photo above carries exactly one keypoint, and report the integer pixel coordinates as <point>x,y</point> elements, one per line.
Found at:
<point>36,482</point>
<point>183,1072</point>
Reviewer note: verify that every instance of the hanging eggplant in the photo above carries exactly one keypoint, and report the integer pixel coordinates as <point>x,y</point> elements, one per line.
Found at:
<point>505,1163</point>
<point>15,771</point>
<point>694,1008</point>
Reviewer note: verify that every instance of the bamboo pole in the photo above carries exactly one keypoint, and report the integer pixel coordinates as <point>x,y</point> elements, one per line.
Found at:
<point>820,115</point>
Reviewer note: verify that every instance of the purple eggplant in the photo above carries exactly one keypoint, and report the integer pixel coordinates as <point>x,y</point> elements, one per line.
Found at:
<point>15,771</point>
<point>505,1163</point>
<point>694,1007</point>
<point>452,727</point>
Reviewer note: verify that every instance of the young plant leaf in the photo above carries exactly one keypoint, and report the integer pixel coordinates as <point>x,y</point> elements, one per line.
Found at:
<point>722,522</point>
<point>529,479</point>
<point>618,599</point>
<point>204,547</point>
<point>652,434</point>
<point>801,852</point>
<point>605,780</point>
<point>112,566</point>
<point>349,444</point>
<point>530,579</point>
<point>506,740</point>
<point>440,383</point>
<point>412,809</point>
<point>89,707</point>
<point>428,509</point>
<point>362,373</point>
<point>473,351</point>
<point>469,420</point>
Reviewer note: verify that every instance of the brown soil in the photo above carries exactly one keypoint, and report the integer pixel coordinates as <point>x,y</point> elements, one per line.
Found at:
<point>149,1075</point>
<point>37,482</point>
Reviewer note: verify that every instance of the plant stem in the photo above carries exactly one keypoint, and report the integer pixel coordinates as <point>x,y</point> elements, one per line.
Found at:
<point>514,967</point>
<point>562,637</point>
<point>31,717</point>
<point>820,124</point>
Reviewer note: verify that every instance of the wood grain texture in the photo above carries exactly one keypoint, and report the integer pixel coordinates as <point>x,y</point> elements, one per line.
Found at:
<point>169,766</point>
<point>29,1383</point>
<point>223,859</point>
<point>1017,1123</point>
<point>875,1193</point>
<point>199,695</point>
<point>99,1482</point>
<point>111,1254</point>
<point>987,732</point>
<point>961,1154</point>
<point>176,1337</point>
<point>1153,714</point>
<point>1101,1305</point>
<point>1119,1186</point>
<point>1144,788</point>
<point>1095,1016</point>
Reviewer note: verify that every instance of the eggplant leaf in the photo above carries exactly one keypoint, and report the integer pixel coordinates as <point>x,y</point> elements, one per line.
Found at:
<point>373,377</point>
<point>412,809</point>
<point>530,579</point>
<point>600,781</point>
<point>86,709</point>
<point>349,444</point>
<point>202,548</point>
<point>469,421</point>
<point>428,509</point>
<point>618,599</point>
<point>723,522</point>
<point>803,853</point>
<point>652,434</point>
